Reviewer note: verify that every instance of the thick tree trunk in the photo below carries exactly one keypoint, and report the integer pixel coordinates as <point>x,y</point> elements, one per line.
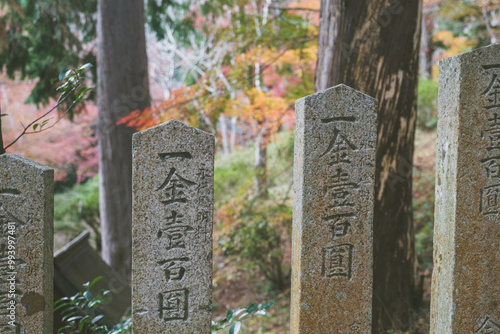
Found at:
<point>122,87</point>
<point>373,46</point>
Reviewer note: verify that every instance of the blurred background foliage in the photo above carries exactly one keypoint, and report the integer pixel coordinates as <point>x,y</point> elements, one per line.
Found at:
<point>233,68</point>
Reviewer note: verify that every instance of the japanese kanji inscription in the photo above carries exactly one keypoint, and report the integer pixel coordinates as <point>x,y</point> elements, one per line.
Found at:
<point>466,275</point>
<point>332,253</point>
<point>172,229</point>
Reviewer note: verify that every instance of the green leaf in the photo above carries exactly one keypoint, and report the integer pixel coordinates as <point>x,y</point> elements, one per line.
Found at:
<point>88,295</point>
<point>253,307</point>
<point>238,311</point>
<point>268,305</point>
<point>68,309</point>
<point>85,66</point>
<point>2,115</point>
<point>235,328</point>
<point>63,328</point>
<point>229,315</point>
<point>98,318</point>
<point>83,90</point>
<point>68,74</point>
<point>35,126</point>
<point>97,279</point>
<point>83,322</point>
<point>64,86</point>
<point>60,306</point>
<point>73,318</point>
<point>261,313</point>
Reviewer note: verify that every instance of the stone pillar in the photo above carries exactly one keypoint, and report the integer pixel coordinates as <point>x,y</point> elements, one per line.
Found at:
<point>26,245</point>
<point>332,246</point>
<point>173,166</point>
<point>466,276</point>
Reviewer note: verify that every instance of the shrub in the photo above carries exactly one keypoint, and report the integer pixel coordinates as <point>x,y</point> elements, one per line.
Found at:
<point>427,103</point>
<point>81,313</point>
<point>76,207</point>
<point>255,234</point>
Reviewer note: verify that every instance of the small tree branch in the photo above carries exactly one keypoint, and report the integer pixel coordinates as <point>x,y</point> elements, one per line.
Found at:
<point>25,130</point>
<point>295,8</point>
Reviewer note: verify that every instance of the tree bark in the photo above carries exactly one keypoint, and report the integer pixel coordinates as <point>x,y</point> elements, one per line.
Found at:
<point>122,87</point>
<point>373,46</point>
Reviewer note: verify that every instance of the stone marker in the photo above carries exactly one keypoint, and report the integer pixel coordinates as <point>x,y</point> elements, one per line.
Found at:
<point>332,245</point>
<point>466,275</point>
<point>173,166</point>
<point>26,245</point>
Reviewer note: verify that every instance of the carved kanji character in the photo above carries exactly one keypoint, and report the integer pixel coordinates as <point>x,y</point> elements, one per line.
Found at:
<point>337,261</point>
<point>487,326</point>
<point>492,93</point>
<point>490,200</point>
<point>338,149</point>
<point>174,188</point>
<point>492,167</point>
<point>173,305</point>
<point>175,236</point>
<point>174,268</point>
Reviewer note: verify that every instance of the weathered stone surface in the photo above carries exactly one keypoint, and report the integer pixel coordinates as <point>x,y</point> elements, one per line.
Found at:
<point>466,276</point>
<point>26,245</point>
<point>332,251</point>
<point>172,229</point>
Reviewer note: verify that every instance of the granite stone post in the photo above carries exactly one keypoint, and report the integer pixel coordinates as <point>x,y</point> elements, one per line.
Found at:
<point>26,245</point>
<point>173,166</point>
<point>466,275</point>
<point>332,244</point>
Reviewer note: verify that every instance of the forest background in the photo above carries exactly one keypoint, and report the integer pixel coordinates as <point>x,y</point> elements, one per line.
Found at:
<point>235,74</point>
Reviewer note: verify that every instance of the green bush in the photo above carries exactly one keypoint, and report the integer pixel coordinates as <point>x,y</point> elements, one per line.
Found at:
<point>77,207</point>
<point>255,230</point>
<point>81,313</point>
<point>256,235</point>
<point>229,178</point>
<point>427,103</point>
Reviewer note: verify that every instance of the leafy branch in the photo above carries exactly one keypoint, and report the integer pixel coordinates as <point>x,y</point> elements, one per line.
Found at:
<point>72,82</point>
<point>235,317</point>
<point>81,312</point>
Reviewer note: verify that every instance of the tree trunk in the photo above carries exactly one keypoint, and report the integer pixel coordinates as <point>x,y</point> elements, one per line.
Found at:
<point>233,133</point>
<point>223,130</point>
<point>427,44</point>
<point>373,46</point>
<point>261,182</point>
<point>122,87</point>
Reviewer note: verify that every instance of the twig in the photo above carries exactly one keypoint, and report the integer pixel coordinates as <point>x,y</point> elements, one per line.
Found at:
<point>57,121</point>
<point>25,130</point>
<point>295,8</point>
